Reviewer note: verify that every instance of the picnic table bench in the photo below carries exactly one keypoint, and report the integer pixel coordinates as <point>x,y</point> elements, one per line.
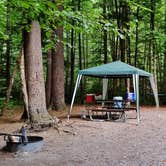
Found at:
<point>108,108</point>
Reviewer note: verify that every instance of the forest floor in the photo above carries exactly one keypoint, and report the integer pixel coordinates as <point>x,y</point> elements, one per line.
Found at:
<point>93,143</point>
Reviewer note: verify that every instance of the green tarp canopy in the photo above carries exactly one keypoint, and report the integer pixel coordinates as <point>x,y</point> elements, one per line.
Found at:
<point>117,69</point>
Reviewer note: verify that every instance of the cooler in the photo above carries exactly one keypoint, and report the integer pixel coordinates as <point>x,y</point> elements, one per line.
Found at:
<point>131,96</point>
<point>90,98</point>
<point>118,102</point>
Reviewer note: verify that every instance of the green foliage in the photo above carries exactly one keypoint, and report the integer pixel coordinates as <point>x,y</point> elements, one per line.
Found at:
<point>3,36</point>
<point>90,23</point>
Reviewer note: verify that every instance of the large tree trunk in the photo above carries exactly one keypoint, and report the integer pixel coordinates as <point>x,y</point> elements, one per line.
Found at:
<point>58,97</point>
<point>34,78</point>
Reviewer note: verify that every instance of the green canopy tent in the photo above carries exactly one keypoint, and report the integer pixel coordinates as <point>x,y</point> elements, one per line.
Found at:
<point>117,69</point>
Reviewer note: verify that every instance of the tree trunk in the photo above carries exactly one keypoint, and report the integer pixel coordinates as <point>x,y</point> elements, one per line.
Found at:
<point>49,78</point>
<point>118,24</point>
<point>72,61</point>
<point>34,78</point>
<point>127,23</point>
<point>136,38</point>
<point>67,69</point>
<point>122,42</point>
<point>8,44</point>
<point>80,55</point>
<point>113,48</point>
<point>105,33</point>
<point>152,27</point>
<point>58,97</point>
<point>25,114</point>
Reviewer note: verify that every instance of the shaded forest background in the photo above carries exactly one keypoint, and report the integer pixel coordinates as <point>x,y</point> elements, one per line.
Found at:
<point>92,32</point>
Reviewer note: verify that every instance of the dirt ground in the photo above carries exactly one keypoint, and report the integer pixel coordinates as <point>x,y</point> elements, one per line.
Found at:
<point>94,143</point>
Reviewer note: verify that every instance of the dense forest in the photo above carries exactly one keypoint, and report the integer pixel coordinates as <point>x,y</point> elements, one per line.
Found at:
<point>72,35</point>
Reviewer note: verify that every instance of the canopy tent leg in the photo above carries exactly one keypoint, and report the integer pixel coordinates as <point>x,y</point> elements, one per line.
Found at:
<point>134,83</point>
<point>155,91</point>
<point>137,97</point>
<point>105,89</point>
<point>74,94</point>
<point>104,94</point>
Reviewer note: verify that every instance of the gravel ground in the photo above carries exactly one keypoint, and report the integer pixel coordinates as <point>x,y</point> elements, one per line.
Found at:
<point>86,143</point>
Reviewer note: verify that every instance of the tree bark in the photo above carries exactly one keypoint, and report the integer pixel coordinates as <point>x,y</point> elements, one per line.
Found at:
<point>122,42</point>
<point>67,69</point>
<point>127,24</point>
<point>49,78</point>
<point>80,55</point>
<point>8,44</point>
<point>25,114</point>
<point>58,97</point>
<point>136,38</point>
<point>72,61</point>
<point>105,33</point>
<point>152,27</point>
<point>116,56</point>
<point>34,78</point>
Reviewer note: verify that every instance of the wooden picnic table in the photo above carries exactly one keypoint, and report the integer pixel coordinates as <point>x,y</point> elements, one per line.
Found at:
<point>108,107</point>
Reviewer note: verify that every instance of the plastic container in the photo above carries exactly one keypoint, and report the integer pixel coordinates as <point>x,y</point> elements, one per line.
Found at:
<point>90,98</point>
<point>118,102</point>
<point>131,96</point>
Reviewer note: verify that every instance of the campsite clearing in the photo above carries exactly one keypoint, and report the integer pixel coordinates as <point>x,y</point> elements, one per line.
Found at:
<point>88,143</point>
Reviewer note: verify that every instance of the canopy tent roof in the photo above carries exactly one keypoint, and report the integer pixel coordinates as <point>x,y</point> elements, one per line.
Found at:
<point>116,68</point>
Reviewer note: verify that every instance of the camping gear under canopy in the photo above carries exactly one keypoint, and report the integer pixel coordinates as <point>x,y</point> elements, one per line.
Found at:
<point>117,69</point>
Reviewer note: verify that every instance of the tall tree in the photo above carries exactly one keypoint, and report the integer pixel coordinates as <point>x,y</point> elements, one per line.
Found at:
<point>153,50</point>
<point>105,31</point>
<point>8,43</point>
<point>136,37</point>
<point>115,57</point>
<point>72,55</point>
<point>58,96</point>
<point>34,77</point>
<point>55,93</point>
<point>80,51</point>
<point>122,12</point>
